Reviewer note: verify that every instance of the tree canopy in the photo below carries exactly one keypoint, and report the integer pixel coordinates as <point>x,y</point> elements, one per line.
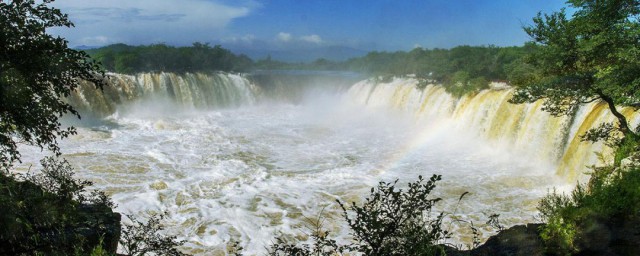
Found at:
<point>592,56</point>
<point>122,58</point>
<point>37,71</point>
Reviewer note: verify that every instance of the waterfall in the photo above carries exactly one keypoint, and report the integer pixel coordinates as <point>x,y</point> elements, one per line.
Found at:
<point>189,90</point>
<point>525,127</point>
<point>207,90</point>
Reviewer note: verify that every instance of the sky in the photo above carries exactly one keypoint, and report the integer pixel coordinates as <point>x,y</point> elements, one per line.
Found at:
<point>381,25</point>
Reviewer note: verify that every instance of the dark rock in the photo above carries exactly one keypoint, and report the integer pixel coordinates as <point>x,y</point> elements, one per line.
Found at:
<point>99,223</point>
<point>521,240</point>
<point>619,235</point>
<point>518,240</point>
<point>451,251</point>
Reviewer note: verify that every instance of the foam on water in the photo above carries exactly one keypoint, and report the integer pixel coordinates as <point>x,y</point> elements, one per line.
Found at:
<point>251,173</point>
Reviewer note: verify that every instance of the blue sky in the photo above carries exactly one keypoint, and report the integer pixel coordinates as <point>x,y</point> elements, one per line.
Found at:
<point>387,25</point>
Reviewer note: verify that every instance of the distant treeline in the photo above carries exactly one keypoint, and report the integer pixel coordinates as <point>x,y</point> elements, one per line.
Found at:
<point>126,59</point>
<point>461,69</point>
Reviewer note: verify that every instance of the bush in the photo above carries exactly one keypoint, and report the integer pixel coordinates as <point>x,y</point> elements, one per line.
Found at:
<point>51,213</point>
<point>141,238</point>
<point>462,83</point>
<point>611,197</point>
<point>390,222</point>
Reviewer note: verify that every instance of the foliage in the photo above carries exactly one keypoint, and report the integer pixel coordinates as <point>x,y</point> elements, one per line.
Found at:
<point>592,56</point>
<point>395,222</point>
<point>141,238</point>
<point>322,246</point>
<point>56,177</point>
<point>127,59</point>
<point>494,222</point>
<point>37,71</point>
<point>48,213</point>
<point>319,64</point>
<point>481,64</point>
<point>559,232</point>
<point>98,251</point>
<point>461,83</point>
<point>51,213</point>
<point>462,69</point>
<point>390,222</point>
<point>610,195</point>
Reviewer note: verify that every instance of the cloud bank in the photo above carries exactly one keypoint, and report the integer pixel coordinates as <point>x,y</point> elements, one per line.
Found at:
<point>100,22</point>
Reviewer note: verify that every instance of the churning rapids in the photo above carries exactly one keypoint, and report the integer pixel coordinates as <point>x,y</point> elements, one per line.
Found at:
<point>246,158</point>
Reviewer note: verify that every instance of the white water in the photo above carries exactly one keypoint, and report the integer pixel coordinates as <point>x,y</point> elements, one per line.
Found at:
<point>250,173</point>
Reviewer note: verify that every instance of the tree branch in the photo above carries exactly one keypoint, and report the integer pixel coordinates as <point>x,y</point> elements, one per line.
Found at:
<point>623,125</point>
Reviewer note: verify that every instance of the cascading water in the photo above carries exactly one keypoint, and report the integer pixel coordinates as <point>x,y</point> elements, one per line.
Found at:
<point>247,157</point>
<point>524,127</point>
<point>190,90</point>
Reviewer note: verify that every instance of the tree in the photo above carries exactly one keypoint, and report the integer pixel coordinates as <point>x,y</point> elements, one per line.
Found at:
<point>37,71</point>
<point>592,56</point>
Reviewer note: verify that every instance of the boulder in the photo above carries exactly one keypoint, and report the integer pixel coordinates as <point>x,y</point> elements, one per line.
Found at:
<point>520,240</point>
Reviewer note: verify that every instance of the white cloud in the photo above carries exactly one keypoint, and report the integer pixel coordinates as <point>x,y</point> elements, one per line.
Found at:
<point>312,39</point>
<point>96,40</point>
<point>148,21</point>
<point>286,40</point>
<point>284,37</point>
<point>247,39</point>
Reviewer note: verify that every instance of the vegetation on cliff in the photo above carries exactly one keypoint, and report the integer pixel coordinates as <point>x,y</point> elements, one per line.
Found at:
<point>200,57</point>
<point>592,56</point>
<point>50,212</point>
<point>37,71</point>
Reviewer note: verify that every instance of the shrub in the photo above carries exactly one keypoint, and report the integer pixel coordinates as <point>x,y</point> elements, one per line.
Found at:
<point>51,213</point>
<point>397,222</point>
<point>390,222</point>
<point>462,83</point>
<point>140,238</point>
<point>611,196</point>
